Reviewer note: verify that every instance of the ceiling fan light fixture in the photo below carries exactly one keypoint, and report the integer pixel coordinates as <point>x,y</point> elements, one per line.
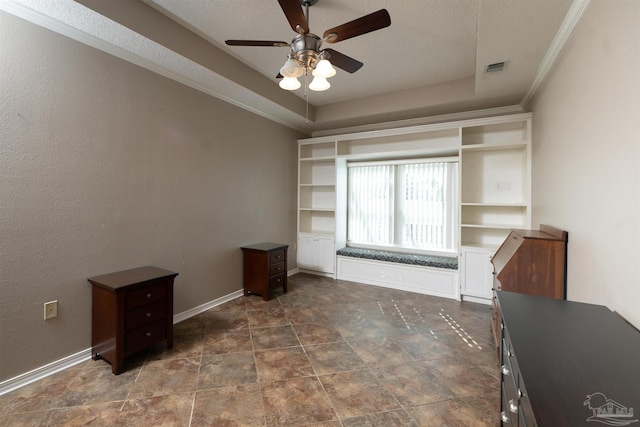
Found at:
<point>289,83</point>
<point>319,84</point>
<point>324,69</point>
<point>291,68</point>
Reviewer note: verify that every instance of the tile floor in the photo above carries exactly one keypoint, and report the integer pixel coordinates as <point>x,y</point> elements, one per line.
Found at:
<point>327,353</point>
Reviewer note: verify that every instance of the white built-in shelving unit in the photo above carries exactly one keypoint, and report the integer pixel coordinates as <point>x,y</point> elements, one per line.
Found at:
<point>495,187</point>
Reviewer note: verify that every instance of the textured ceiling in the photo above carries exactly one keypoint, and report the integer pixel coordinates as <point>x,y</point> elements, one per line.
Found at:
<point>430,61</point>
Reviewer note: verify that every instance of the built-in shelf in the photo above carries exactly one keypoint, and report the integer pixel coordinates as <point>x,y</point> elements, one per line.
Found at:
<point>495,174</point>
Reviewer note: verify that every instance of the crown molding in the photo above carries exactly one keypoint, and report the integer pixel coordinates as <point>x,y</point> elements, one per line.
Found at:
<point>565,30</point>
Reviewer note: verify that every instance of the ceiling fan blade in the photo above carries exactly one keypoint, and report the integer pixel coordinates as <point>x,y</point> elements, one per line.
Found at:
<point>366,24</point>
<point>295,15</point>
<point>343,61</point>
<point>256,43</point>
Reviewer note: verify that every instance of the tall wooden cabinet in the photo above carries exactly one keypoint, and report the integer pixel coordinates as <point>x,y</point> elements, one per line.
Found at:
<point>532,262</point>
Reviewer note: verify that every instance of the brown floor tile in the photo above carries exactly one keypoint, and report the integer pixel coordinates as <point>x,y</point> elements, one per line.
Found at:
<point>461,377</point>
<point>282,363</point>
<point>314,333</point>
<point>227,369</point>
<point>184,346</point>
<point>37,396</point>
<point>227,320</point>
<point>97,385</point>
<point>269,316</point>
<point>223,341</point>
<point>163,377</point>
<point>357,393</point>
<point>101,414</point>
<point>455,413</point>
<point>425,346</point>
<point>385,351</point>
<point>239,405</point>
<point>303,315</point>
<point>274,337</point>
<point>296,402</point>
<point>193,326</point>
<point>171,410</point>
<point>333,357</point>
<point>398,418</point>
<point>413,384</point>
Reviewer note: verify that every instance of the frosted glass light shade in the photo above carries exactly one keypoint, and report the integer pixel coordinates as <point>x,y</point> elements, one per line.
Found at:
<point>319,84</point>
<point>289,83</point>
<point>291,68</point>
<point>324,69</point>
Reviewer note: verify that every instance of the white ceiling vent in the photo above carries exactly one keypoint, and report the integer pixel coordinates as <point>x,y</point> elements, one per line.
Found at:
<point>496,67</point>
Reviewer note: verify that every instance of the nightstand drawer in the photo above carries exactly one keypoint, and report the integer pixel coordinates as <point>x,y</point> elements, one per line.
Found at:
<point>277,281</point>
<point>276,257</point>
<point>276,269</point>
<point>146,295</point>
<point>146,314</point>
<point>143,337</point>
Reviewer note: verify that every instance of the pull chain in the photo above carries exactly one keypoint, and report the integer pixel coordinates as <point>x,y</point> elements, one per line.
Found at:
<point>306,94</point>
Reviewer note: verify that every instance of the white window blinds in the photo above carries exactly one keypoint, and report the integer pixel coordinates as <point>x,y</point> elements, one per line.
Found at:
<point>404,205</point>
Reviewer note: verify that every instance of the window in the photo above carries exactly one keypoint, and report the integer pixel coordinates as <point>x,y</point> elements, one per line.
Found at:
<point>403,205</point>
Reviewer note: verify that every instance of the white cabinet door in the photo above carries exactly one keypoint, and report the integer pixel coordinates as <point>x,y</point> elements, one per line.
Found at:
<point>316,252</point>
<point>476,278</point>
<point>307,251</point>
<point>326,254</point>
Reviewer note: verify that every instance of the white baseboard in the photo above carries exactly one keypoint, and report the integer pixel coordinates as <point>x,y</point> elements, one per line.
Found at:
<point>177,318</point>
<point>66,362</point>
<point>477,300</point>
<point>44,371</point>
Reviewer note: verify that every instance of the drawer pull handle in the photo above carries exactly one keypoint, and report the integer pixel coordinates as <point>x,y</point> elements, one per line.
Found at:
<point>513,406</point>
<point>504,417</point>
<point>148,314</point>
<point>148,334</point>
<point>149,295</point>
<point>278,280</point>
<point>505,370</point>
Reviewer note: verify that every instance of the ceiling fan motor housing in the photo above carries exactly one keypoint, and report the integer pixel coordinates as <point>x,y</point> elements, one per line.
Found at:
<point>306,49</point>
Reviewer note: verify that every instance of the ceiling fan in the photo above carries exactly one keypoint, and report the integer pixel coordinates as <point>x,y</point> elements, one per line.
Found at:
<point>306,54</point>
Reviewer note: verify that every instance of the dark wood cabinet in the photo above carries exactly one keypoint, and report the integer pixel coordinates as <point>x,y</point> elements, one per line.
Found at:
<point>131,310</point>
<point>532,262</point>
<point>264,267</point>
<point>566,363</point>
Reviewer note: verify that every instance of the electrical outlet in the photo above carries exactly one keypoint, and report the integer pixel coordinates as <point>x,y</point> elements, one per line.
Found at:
<point>50,309</point>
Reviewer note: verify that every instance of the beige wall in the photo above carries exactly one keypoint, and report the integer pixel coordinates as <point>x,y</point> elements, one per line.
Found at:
<point>586,155</point>
<point>105,166</point>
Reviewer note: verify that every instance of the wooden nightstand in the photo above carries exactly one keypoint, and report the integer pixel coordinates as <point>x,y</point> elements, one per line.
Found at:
<point>132,310</point>
<point>264,268</point>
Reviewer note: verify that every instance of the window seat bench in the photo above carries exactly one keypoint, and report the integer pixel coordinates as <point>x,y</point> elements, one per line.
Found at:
<point>425,274</point>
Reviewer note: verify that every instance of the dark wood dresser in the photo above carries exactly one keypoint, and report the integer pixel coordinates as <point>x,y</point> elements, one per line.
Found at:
<point>532,262</point>
<point>565,363</point>
<point>132,310</point>
<point>264,267</point>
